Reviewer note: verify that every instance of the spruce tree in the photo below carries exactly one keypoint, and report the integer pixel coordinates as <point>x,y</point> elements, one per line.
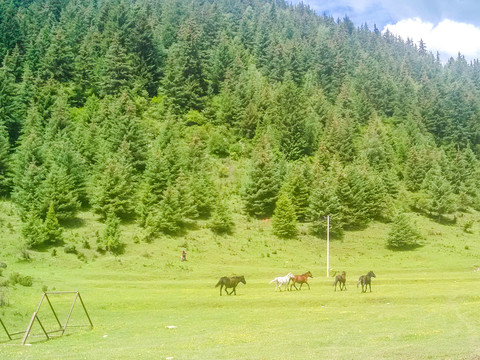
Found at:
<point>5,166</point>
<point>184,79</point>
<point>33,230</point>
<point>111,237</point>
<point>169,218</point>
<point>403,235</point>
<point>52,231</point>
<point>441,200</point>
<point>113,187</point>
<point>299,184</point>
<point>222,219</point>
<point>284,221</point>
<point>324,202</point>
<point>117,71</point>
<point>264,181</point>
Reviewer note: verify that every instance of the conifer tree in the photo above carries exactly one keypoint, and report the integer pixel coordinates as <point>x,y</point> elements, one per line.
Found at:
<point>263,184</point>
<point>441,200</point>
<point>288,115</point>
<point>5,166</point>
<point>9,109</point>
<point>169,218</point>
<point>111,237</point>
<point>117,71</point>
<point>222,219</point>
<point>113,190</point>
<point>52,230</point>
<point>57,63</point>
<point>284,221</point>
<point>33,229</point>
<point>324,202</point>
<point>59,186</point>
<point>403,234</point>
<point>184,79</point>
<point>298,184</point>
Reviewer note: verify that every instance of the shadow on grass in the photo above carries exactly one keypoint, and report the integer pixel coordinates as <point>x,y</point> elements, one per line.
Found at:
<point>74,223</point>
<point>409,247</point>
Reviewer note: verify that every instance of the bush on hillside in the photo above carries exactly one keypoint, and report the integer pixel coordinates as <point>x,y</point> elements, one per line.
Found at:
<point>403,234</point>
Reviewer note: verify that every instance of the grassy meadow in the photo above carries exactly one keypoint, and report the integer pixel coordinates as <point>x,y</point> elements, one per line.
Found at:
<point>424,303</point>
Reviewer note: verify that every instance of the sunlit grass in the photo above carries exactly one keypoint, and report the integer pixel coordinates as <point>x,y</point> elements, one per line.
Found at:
<point>424,304</point>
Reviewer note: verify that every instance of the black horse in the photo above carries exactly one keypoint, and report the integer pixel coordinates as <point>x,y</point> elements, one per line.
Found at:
<point>366,280</point>
<point>340,278</point>
<point>230,282</point>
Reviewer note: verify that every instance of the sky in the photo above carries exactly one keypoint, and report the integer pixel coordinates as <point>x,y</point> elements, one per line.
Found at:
<point>446,26</point>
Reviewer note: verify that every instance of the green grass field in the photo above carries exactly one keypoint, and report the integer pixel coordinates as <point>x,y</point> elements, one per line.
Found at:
<point>425,304</point>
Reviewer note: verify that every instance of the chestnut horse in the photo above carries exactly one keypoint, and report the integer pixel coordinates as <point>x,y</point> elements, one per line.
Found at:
<point>366,280</point>
<point>340,278</point>
<point>230,282</point>
<point>302,279</point>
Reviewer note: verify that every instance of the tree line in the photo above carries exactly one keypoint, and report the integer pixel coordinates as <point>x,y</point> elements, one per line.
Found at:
<point>139,110</point>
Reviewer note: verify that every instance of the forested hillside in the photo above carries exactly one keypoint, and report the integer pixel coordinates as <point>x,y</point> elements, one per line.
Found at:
<point>165,112</point>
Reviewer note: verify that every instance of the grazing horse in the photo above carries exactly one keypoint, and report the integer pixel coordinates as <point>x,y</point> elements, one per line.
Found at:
<point>340,278</point>
<point>282,280</point>
<point>230,282</point>
<point>366,280</point>
<point>302,279</point>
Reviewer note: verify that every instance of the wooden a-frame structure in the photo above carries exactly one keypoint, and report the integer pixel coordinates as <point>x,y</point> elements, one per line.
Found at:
<point>61,328</point>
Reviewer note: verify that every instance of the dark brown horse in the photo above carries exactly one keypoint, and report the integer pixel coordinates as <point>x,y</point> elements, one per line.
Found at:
<point>302,279</point>
<point>366,280</point>
<point>340,278</point>
<point>230,282</point>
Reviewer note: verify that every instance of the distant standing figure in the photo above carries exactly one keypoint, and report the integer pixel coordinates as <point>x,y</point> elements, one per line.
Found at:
<point>184,256</point>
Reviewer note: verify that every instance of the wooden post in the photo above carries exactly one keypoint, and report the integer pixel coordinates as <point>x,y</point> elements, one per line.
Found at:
<point>85,309</point>
<point>53,310</point>
<point>70,313</point>
<point>27,332</point>
<point>5,328</point>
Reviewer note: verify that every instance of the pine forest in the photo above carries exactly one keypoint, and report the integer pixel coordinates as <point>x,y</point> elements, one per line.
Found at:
<point>174,113</point>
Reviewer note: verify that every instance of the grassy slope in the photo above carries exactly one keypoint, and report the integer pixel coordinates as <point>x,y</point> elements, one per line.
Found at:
<point>424,303</point>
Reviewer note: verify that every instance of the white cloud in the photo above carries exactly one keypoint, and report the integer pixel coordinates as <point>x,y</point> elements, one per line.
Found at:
<point>447,37</point>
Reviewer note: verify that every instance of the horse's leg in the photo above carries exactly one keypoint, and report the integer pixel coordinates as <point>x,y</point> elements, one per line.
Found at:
<point>227,291</point>
<point>308,285</point>
<point>221,287</point>
<point>370,285</point>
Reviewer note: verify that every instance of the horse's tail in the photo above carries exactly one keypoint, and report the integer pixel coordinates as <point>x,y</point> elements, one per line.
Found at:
<point>334,282</point>
<point>219,283</point>
<point>273,281</point>
<point>359,281</point>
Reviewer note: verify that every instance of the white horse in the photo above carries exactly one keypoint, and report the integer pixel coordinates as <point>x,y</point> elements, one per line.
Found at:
<point>282,280</point>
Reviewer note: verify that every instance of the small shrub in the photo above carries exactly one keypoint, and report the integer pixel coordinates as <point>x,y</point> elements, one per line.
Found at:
<point>467,227</point>
<point>81,256</point>
<point>54,252</point>
<point>70,249</point>
<point>86,244</point>
<point>4,300</point>
<point>24,280</point>
<point>25,255</point>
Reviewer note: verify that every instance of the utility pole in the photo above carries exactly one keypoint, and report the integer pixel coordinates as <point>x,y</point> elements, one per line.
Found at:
<point>328,245</point>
